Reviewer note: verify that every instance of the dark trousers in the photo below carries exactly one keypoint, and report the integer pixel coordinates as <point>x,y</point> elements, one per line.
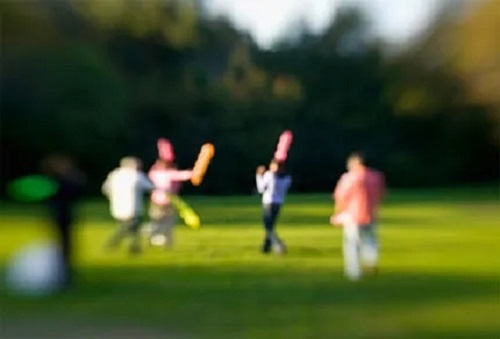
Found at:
<point>63,226</point>
<point>127,228</point>
<point>271,213</point>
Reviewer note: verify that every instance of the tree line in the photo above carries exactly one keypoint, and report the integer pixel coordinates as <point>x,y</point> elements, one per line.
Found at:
<point>103,79</point>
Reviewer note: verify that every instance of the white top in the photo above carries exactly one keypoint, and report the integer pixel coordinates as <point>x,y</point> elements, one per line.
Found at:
<point>125,188</point>
<point>273,187</point>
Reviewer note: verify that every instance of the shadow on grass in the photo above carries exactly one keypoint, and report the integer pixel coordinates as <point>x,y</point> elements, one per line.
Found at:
<point>312,252</point>
<point>205,302</point>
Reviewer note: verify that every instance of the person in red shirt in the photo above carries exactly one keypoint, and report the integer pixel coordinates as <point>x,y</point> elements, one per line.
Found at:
<point>358,195</point>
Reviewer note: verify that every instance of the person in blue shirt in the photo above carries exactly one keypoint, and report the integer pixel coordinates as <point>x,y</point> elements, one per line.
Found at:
<point>273,185</point>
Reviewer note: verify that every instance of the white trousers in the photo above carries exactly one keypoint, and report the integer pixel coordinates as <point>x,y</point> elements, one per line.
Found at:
<point>360,247</point>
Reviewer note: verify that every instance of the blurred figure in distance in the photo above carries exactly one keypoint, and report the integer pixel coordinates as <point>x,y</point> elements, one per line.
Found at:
<point>167,179</point>
<point>357,196</point>
<point>273,185</point>
<point>125,188</point>
<point>70,188</point>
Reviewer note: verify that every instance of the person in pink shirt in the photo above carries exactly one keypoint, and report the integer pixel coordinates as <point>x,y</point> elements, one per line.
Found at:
<point>357,196</point>
<point>167,180</point>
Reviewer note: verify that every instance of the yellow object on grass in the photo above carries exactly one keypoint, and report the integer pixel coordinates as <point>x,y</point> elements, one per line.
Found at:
<point>191,219</point>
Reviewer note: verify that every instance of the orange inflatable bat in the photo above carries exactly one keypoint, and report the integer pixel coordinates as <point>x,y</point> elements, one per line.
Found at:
<point>200,166</point>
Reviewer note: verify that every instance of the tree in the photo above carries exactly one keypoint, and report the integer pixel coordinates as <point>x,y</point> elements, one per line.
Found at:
<point>171,21</point>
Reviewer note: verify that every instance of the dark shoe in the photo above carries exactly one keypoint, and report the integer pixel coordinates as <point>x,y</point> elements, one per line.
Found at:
<point>266,247</point>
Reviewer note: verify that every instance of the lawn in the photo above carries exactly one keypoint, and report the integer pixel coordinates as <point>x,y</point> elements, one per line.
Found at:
<point>440,274</point>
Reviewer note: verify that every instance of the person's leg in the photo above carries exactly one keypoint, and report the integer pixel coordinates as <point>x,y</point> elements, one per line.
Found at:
<point>64,240</point>
<point>135,231</point>
<point>117,237</point>
<point>169,224</point>
<point>277,244</point>
<point>147,228</point>
<point>61,221</point>
<point>352,267</point>
<point>271,241</point>
<point>369,248</point>
<point>165,223</point>
<point>67,253</point>
<point>125,228</point>
<point>155,216</point>
<point>268,227</point>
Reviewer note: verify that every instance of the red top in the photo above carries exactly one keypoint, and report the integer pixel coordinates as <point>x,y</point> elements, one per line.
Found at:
<point>359,193</point>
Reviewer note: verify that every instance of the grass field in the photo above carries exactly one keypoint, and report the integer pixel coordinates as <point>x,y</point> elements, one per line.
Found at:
<point>439,277</point>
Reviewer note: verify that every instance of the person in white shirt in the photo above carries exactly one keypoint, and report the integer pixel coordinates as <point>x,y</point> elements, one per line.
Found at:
<point>273,185</point>
<point>125,188</point>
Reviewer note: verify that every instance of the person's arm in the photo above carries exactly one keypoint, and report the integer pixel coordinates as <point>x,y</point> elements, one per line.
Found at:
<point>382,192</point>
<point>262,181</point>
<point>181,175</point>
<point>145,183</point>
<point>288,182</point>
<point>341,193</point>
<point>339,188</point>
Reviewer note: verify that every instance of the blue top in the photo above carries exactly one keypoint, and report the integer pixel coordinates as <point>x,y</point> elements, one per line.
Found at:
<point>273,187</point>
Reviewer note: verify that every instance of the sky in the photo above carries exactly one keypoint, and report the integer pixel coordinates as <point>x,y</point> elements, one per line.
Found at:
<point>268,20</point>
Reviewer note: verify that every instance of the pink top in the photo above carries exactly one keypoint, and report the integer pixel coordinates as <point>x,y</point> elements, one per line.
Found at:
<point>359,193</point>
<point>166,181</point>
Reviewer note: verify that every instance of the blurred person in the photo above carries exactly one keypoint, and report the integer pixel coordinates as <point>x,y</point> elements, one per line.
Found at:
<point>70,188</point>
<point>273,185</point>
<point>125,188</point>
<point>167,179</point>
<point>357,196</point>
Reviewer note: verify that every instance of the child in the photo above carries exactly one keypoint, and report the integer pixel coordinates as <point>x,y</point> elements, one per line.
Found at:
<point>167,179</point>
<point>358,195</point>
<point>125,187</point>
<point>273,185</point>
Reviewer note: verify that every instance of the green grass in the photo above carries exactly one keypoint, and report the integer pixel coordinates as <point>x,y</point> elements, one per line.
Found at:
<point>439,274</point>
